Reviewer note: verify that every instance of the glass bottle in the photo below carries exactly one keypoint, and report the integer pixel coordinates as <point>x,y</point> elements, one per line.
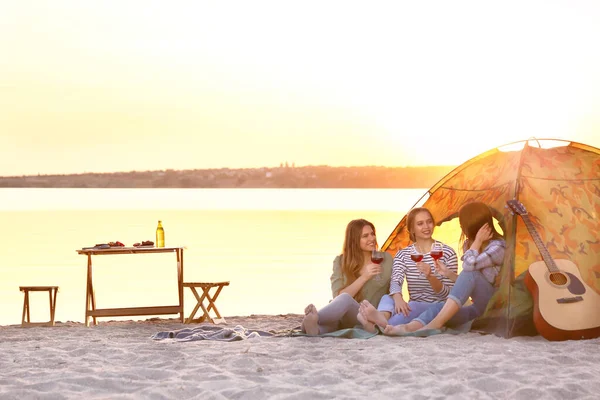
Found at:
<point>160,235</point>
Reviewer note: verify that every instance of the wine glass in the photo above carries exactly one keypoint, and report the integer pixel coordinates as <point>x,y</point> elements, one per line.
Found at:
<point>416,256</point>
<point>377,258</point>
<point>437,251</point>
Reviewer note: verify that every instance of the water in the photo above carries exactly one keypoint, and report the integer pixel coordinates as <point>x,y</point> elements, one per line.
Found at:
<point>275,246</point>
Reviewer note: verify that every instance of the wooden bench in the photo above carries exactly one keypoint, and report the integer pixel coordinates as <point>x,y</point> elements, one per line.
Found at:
<point>52,292</point>
<point>206,287</point>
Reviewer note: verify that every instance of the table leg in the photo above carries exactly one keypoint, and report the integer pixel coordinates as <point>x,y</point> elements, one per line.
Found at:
<point>93,293</point>
<point>28,314</point>
<point>180,282</point>
<point>191,317</point>
<point>25,306</point>
<point>90,296</point>
<point>206,315</point>
<point>50,303</point>
<point>53,306</point>
<point>87,290</point>
<point>212,301</point>
<point>200,299</point>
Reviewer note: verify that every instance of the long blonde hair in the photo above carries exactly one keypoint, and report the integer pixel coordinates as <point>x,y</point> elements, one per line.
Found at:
<point>352,255</point>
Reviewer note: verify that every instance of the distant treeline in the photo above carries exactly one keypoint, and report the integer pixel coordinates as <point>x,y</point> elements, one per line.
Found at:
<point>281,177</point>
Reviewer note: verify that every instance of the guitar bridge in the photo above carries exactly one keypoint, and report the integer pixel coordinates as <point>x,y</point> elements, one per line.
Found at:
<point>566,300</point>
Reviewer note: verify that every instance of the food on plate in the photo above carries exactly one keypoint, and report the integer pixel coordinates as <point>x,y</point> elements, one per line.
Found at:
<point>144,243</point>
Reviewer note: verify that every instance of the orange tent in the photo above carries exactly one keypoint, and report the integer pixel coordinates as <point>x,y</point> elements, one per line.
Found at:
<point>559,184</point>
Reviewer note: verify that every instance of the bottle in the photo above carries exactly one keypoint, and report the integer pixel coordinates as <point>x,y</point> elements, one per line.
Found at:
<point>160,235</point>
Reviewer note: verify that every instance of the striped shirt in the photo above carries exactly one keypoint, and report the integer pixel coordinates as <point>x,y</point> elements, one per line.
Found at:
<point>489,261</point>
<point>419,288</point>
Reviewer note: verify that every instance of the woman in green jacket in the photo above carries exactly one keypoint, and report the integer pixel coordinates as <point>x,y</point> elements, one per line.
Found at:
<point>355,278</point>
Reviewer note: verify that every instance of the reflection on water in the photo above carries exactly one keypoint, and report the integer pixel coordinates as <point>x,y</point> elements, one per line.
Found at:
<point>277,260</point>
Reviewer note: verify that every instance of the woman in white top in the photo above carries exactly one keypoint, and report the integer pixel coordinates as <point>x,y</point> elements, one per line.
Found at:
<point>429,280</point>
<point>483,257</point>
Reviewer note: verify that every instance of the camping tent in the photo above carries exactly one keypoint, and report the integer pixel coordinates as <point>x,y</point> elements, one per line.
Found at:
<point>559,184</point>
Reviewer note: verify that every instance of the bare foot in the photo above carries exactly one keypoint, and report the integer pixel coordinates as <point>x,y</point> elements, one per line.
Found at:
<point>431,325</point>
<point>401,329</point>
<point>370,313</point>
<point>367,325</point>
<point>310,323</point>
<point>395,330</point>
<point>310,308</point>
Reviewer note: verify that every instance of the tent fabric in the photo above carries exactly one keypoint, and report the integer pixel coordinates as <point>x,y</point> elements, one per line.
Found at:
<point>560,189</point>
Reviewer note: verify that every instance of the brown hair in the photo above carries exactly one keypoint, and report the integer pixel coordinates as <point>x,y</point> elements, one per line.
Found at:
<point>352,255</point>
<point>410,220</point>
<point>472,217</point>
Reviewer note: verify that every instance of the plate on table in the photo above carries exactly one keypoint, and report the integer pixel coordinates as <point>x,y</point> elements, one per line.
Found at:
<point>97,247</point>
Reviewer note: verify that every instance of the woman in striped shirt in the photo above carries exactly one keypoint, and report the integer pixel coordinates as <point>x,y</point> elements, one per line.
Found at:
<point>429,281</point>
<point>355,277</point>
<point>483,257</point>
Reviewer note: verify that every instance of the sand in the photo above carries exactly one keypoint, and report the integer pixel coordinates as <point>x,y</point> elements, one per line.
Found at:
<point>117,359</point>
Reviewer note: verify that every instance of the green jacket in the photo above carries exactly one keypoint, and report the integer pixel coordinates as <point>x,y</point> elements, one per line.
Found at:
<point>373,290</point>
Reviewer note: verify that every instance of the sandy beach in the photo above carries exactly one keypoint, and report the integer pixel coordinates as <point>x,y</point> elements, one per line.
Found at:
<point>118,359</point>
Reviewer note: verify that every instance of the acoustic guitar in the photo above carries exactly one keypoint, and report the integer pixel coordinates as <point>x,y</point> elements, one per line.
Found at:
<point>565,308</point>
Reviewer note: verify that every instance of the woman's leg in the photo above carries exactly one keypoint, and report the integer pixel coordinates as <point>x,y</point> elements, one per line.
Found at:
<point>450,308</point>
<point>310,322</point>
<point>481,295</point>
<point>416,309</point>
<point>399,323</point>
<point>369,316</point>
<point>430,310</point>
<point>395,330</point>
<point>469,284</point>
<point>338,314</point>
<point>363,319</point>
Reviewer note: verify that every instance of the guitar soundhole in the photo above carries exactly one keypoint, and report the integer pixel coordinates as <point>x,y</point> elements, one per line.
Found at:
<point>558,278</point>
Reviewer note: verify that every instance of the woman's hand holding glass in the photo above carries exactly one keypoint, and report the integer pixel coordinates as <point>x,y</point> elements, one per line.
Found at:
<point>374,271</point>
<point>441,268</point>
<point>424,268</point>
<point>377,258</point>
<point>417,257</point>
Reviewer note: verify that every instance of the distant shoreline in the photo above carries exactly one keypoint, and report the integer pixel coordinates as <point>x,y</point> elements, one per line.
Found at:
<point>370,177</point>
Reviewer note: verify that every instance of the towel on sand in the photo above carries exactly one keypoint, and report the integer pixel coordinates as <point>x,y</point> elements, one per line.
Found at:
<point>223,334</point>
<point>211,332</point>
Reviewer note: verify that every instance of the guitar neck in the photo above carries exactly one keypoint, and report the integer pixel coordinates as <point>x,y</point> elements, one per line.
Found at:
<point>540,244</point>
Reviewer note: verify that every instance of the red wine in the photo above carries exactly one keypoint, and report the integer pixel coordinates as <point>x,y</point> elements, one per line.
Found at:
<point>436,254</point>
<point>416,257</point>
<point>376,260</point>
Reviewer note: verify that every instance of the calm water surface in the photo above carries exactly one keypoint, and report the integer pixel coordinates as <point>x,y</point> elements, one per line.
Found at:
<point>275,246</point>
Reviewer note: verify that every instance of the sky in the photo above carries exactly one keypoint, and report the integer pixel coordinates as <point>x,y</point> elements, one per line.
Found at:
<point>149,85</point>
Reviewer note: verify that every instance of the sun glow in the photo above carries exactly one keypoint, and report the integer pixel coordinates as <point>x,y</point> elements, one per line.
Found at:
<point>109,86</point>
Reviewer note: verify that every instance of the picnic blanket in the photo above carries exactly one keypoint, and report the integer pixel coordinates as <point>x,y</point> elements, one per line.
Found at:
<point>359,333</point>
<point>224,334</point>
<point>466,327</point>
<point>348,333</point>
